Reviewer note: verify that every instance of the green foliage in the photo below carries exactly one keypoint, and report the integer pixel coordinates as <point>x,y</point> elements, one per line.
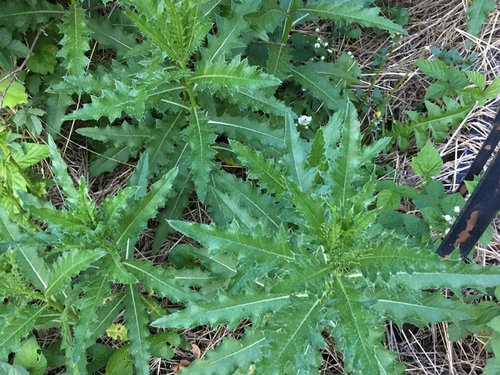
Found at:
<point>334,268</point>
<point>97,243</point>
<point>428,162</point>
<point>470,88</point>
<point>15,158</point>
<point>75,41</point>
<point>14,95</point>
<point>478,12</point>
<point>308,243</point>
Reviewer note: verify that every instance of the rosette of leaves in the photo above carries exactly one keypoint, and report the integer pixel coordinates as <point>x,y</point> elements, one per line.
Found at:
<point>190,76</point>
<point>62,276</point>
<point>304,256</point>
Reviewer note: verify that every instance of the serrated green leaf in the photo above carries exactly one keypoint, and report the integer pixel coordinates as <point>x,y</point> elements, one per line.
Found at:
<point>16,325</point>
<point>454,276</point>
<point>9,230</point>
<point>200,140</point>
<point>428,162</point>
<point>62,177</point>
<point>125,134</point>
<point>231,194</point>
<point>295,346</point>
<point>434,68</point>
<point>135,219</point>
<point>478,12</point>
<point>267,174</point>
<point>225,311</point>
<point>236,73</point>
<point>111,104</point>
<point>108,160</point>
<point>360,333</point>
<point>437,121</point>
<point>295,157</point>
<point>57,105</point>
<point>230,355</point>
<point>75,41</point>
<point>421,310</point>
<point>278,63</point>
<point>137,323</point>
<point>33,265</point>
<point>33,153</point>
<point>96,290</point>
<point>43,60</point>
<point>353,14</point>
<point>30,356</point>
<point>162,281</point>
<point>230,240</point>
<point>247,130</point>
<point>346,169</point>
<point>321,89</point>
<point>229,30</point>
<point>111,35</point>
<point>69,264</point>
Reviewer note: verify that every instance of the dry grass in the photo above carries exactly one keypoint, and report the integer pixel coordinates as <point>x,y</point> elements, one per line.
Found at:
<point>438,23</point>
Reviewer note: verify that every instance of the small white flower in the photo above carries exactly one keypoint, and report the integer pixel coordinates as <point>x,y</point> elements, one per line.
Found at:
<point>303,89</point>
<point>325,44</point>
<point>456,209</point>
<point>317,45</point>
<point>322,57</point>
<point>317,30</point>
<point>349,53</point>
<point>329,50</point>
<point>448,218</point>
<point>446,230</point>
<point>304,120</point>
<point>319,39</point>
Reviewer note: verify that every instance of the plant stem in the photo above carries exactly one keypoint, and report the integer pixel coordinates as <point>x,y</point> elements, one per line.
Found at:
<point>289,21</point>
<point>377,74</point>
<point>52,304</point>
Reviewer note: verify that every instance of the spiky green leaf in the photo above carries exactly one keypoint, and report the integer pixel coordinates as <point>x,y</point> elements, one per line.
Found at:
<point>70,264</point>
<point>75,41</point>
<point>135,219</point>
<point>233,241</point>
<point>353,14</point>
<point>225,311</point>
<point>236,73</point>
<point>137,326</point>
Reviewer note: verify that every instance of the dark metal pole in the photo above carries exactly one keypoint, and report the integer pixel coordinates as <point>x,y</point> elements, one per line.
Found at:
<point>483,204</point>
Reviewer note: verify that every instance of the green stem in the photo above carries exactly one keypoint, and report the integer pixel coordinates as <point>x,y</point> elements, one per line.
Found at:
<point>49,302</point>
<point>289,21</point>
<point>377,74</point>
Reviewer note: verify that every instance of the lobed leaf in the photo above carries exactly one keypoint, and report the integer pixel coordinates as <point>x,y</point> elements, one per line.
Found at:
<point>353,14</point>
<point>237,74</point>
<point>69,264</point>
<point>137,328</point>
<point>135,219</point>
<point>224,311</point>
<point>163,281</point>
<point>200,140</point>
<point>223,239</point>
<point>75,41</point>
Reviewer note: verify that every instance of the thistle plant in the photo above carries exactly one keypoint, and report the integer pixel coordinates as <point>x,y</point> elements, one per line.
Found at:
<point>313,259</point>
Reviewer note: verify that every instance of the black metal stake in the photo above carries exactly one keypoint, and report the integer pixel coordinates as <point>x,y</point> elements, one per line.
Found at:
<point>483,204</point>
